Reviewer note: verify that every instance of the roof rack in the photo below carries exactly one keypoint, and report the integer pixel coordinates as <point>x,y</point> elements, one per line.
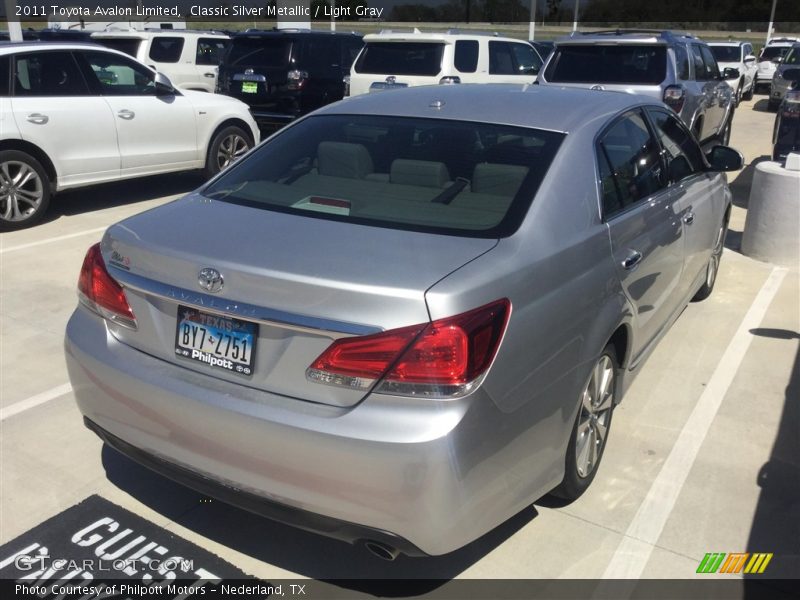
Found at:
<point>622,31</point>
<point>391,31</point>
<point>457,31</point>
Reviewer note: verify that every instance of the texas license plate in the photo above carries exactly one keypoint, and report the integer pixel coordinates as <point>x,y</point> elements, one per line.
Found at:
<point>249,87</point>
<point>219,342</point>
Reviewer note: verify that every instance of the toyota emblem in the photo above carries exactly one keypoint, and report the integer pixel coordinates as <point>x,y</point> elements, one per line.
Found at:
<point>597,87</point>
<point>210,280</point>
<point>391,79</point>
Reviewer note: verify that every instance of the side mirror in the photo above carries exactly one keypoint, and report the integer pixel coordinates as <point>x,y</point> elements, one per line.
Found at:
<point>792,74</point>
<point>723,158</point>
<point>730,73</point>
<point>163,85</point>
<point>777,59</point>
<point>749,58</point>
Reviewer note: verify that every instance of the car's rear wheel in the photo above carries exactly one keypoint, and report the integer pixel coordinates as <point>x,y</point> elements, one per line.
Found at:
<point>712,269</point>
<point>227,146</point>
<point>590,432</point>
<point>24,190</point>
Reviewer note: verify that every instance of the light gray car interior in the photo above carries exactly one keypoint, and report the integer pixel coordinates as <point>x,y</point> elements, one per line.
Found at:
<point>405,317</point>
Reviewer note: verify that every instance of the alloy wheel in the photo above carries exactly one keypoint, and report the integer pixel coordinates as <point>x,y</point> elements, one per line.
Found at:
<point>231,149</point>
<point>21,191</point>
<point>596,404</point>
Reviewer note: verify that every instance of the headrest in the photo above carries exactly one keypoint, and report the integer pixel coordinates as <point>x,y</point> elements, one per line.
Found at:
<point>497,179</point>
<point>340,159</point>
<point>419,172</point>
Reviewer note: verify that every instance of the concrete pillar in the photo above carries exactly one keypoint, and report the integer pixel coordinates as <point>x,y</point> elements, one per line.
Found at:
<point>772,228</point>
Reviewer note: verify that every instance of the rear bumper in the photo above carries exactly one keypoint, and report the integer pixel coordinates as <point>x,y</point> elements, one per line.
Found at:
<point>340,530</point>
<point>424,476</point>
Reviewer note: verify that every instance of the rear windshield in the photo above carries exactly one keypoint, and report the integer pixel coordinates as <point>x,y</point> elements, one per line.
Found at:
<point>401,58</point>
<point>770,52</point>
<point>259,51</point>
<point>129,47</point>
<point>635,64</point>
<point>726,53</point>
<point>450,177</point>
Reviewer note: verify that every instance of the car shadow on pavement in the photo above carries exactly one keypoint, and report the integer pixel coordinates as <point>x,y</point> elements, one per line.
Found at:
<point>297,551</point>
<point>121,193</point>
<point>762,105</point>
<point>776,527</point>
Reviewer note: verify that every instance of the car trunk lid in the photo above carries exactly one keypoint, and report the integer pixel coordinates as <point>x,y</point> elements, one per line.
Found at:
<point>304,282</point>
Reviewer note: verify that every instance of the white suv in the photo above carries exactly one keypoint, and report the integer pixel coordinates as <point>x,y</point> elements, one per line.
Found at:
<point>77,114</point>
<point>769,58</point>
<point>739,56</point>
<point>189,58</point>
<point>392,60</point>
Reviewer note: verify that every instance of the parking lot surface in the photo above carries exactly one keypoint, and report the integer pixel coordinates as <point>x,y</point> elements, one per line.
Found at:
<point>703,457</point>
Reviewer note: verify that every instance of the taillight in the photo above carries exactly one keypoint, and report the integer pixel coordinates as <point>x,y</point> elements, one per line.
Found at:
<point>791,104</point>
<point>346,81</point>
<point>674,96</point>
<point>101,293</point>
<point>449,80</point>
<point>443,359</point>
<point>297,79</point>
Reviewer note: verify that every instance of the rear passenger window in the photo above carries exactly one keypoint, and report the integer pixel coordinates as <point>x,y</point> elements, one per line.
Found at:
<point>682,62</point>
<point>501,59</point>
<point>48,74</point>
<point>633,161</point>
<point>210,51</point>
<point>466,60</point>
<point>700,73</point>
<point>711,63</point>
<point>166,49</point>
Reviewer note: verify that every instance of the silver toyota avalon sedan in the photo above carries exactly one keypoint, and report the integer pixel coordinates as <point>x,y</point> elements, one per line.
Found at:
<point>407,316</point>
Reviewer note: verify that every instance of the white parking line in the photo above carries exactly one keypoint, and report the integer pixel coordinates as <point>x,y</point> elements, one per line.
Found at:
<point>635,549</point>
<point>51,240</point>
<point>34,401</point>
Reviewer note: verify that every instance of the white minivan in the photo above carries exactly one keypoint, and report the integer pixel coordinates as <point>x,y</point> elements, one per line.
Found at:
<point>189,58</point>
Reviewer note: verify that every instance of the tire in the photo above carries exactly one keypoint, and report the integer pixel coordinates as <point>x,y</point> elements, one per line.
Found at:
<point>227,146</point>
<point>724,136</point>
<point>25,190</point>
<point>591,428</point>
<point>712,269</point>
<point>748,95</point>
<point>739,94</point>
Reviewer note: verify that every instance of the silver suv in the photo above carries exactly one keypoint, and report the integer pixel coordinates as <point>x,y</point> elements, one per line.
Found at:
<point>678,69</point>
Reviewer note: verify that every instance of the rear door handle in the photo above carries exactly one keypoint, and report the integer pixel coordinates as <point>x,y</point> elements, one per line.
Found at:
<point>38,118</point>
<point>632,260</point>
<point>209,74</point>
<point>126,114</point>
<point>688,218</point>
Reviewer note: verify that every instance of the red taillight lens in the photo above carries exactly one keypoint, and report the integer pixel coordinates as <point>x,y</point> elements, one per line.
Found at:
<point>100,292</point>
<point>674,95</point>
<point>443,358</point>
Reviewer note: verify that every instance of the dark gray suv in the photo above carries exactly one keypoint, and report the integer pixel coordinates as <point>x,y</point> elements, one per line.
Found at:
<point>678,69</point>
